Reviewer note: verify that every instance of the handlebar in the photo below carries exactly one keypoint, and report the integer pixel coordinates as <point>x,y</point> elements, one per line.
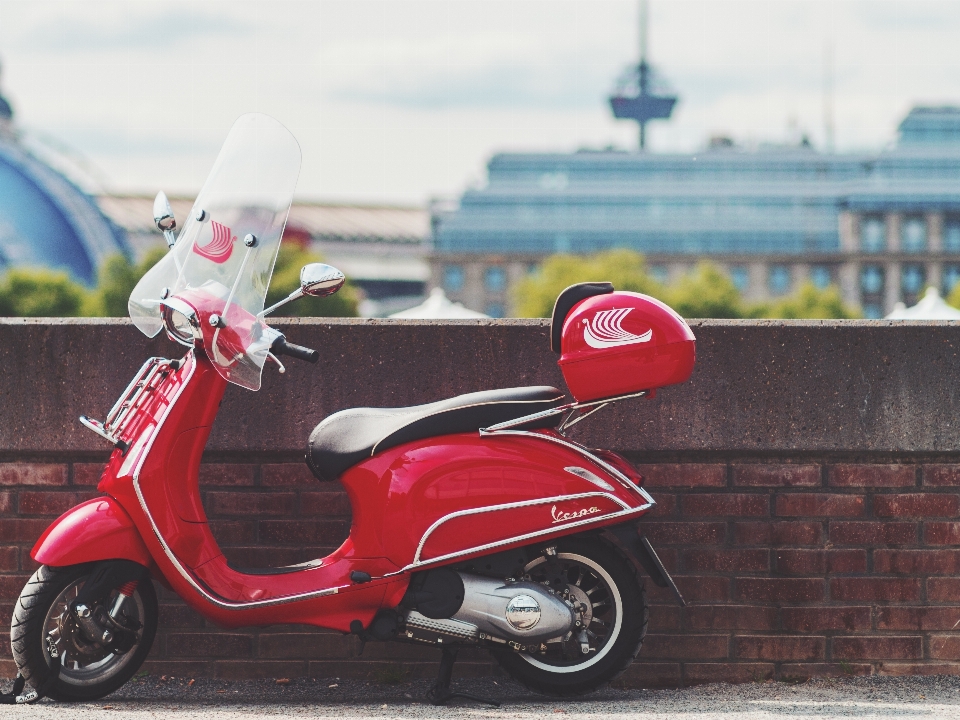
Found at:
<point>282,347</point>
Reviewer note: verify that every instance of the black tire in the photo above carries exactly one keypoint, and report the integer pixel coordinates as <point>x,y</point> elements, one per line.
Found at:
<point>552,674</point>
<point>42,598</point>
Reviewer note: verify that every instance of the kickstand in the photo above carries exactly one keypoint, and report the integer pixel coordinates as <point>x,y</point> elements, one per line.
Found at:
<point>440,693</point>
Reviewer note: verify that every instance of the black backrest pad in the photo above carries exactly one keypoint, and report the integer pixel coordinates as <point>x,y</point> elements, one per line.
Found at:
<point>565,302</point>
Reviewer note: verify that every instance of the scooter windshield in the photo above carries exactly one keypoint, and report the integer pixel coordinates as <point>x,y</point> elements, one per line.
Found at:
<point>223,258</point>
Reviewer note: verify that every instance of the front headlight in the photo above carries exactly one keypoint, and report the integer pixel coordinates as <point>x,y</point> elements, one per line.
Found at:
<point>180,321</point>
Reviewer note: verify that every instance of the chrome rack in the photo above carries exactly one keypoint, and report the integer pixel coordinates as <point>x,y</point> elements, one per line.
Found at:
<point>575,412</point>
<point>144,382</point>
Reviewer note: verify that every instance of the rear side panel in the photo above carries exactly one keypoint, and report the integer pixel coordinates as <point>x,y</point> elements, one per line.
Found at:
<point>446,498</point>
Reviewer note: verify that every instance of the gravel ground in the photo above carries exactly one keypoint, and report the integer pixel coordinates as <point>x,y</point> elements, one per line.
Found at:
<point>868,697</point>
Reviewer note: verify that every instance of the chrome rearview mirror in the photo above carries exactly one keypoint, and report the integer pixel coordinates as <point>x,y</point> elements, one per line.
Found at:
<point>320,280</point>
<point>163,217</point>
<point>316,280</point>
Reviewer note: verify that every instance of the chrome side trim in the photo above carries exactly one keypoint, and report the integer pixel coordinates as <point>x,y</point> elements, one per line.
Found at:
<point>213,599</point>
<point>511,506</point>
<point>515,539</point>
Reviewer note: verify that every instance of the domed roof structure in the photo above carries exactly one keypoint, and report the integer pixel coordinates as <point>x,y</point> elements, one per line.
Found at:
<point>46,220</point>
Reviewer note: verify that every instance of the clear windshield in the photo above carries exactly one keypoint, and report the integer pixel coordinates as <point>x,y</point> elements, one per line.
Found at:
<point>224,255</point>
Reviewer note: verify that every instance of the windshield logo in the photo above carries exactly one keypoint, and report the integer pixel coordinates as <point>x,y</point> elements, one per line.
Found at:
<point>219,249</point>
<point>607,330</point>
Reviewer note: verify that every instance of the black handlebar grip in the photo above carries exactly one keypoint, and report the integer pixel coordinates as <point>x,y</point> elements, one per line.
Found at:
<point>282,347</point>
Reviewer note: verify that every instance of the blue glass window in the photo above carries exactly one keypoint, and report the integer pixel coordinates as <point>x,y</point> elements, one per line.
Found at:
<point>495,279</point>
<point>821,276</point>
<point>951,235</point>
<point>495,310</point>
<point>871,280</point>
<point>951,276</point>
<point>873,235</point>
<point>453,278</point>
<point>779,279</point>
<point>913,235</point>
<point>740,276</point>
<point>912,278</point>
<point>872,311</point>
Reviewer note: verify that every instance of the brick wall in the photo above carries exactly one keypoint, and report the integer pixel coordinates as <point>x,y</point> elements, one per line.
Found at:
<point>808,487</point>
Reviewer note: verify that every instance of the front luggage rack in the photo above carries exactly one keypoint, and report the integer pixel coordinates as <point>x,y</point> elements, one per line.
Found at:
<point>143,383</point>
<point>575,412</point>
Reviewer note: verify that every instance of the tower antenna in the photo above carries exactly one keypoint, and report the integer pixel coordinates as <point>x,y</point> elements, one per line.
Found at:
<point>828,128</point>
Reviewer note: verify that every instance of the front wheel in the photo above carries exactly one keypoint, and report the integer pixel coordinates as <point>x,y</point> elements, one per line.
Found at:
<point>614,621</point>
<point>89,670</point>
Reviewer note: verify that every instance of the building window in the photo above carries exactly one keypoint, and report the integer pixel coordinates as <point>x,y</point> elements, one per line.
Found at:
<point>951,276</point>
<point>913,235</point>
<point>659,273</point>
<point>453,278</point>
<point>873,235</point>
<point>495,280</point>
<point>740,277</point>
<point>871,280</point>
<point>912,279</point>
<point>778,279</point>
<point>495,310</point>
<point>951,235</point>
<point>821,276</point>
<point>872,311</point>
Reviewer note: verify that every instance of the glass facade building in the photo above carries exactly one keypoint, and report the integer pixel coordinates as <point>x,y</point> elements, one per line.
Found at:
<point>881,226</point>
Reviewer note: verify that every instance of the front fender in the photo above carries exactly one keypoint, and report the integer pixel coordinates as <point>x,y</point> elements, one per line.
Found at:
<point>98,529</point>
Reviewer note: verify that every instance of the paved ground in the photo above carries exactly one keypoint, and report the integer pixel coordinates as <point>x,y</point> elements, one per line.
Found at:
<point>864,698</point>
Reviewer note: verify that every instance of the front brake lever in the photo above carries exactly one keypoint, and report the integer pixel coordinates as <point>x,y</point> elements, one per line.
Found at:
<point>277,361</point>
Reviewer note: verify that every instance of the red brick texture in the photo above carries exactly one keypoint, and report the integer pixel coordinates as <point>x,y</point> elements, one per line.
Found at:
<point>790,570</point>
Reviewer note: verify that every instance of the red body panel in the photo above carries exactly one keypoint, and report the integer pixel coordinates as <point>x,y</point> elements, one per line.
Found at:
<point>621,343</point>
<point>426,502</point>
<point>98,529</point>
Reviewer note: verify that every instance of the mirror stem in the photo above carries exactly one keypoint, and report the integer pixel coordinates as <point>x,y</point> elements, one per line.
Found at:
<point>170,238</point>
<point>289,298</point>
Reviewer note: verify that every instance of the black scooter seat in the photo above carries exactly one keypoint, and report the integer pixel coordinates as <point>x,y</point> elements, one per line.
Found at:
<point>349,436</point>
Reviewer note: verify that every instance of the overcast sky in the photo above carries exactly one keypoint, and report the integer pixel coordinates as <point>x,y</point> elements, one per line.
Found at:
<point>401,100</point>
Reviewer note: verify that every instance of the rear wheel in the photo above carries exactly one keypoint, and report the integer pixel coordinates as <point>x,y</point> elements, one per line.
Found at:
<point>613,615</point>
<point>89,670</point>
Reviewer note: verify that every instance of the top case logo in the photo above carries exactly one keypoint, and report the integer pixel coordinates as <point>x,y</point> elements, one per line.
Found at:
<point>220,247</point>
<point>607,331</point>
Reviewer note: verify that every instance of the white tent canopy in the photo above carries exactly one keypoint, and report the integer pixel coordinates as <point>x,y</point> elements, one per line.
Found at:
<point>931,307</point>
<point>438,307</point>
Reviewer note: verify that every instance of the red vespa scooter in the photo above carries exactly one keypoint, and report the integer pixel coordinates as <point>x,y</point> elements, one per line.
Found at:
<point>476,521</point>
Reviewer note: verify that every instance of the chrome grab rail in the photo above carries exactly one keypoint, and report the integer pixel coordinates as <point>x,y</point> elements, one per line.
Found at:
<point>570,408</point>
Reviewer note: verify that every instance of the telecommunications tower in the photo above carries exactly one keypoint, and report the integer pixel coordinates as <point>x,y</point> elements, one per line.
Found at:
<point>640,95</point>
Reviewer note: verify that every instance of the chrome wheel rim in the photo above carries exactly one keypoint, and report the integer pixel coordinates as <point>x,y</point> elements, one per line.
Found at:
<point>78,669</point>
<point>590,585</point>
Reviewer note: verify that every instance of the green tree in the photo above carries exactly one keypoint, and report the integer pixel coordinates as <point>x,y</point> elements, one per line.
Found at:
<point>953,297</point>
<point>286,279</point>
<point>535,295</point>
<point>39,292</point>
<point>115,281</point>
<point>810,302</point>
<point>706,292</point>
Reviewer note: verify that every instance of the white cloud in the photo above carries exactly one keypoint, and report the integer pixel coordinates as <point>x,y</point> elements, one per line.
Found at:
<point>399,99</point>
